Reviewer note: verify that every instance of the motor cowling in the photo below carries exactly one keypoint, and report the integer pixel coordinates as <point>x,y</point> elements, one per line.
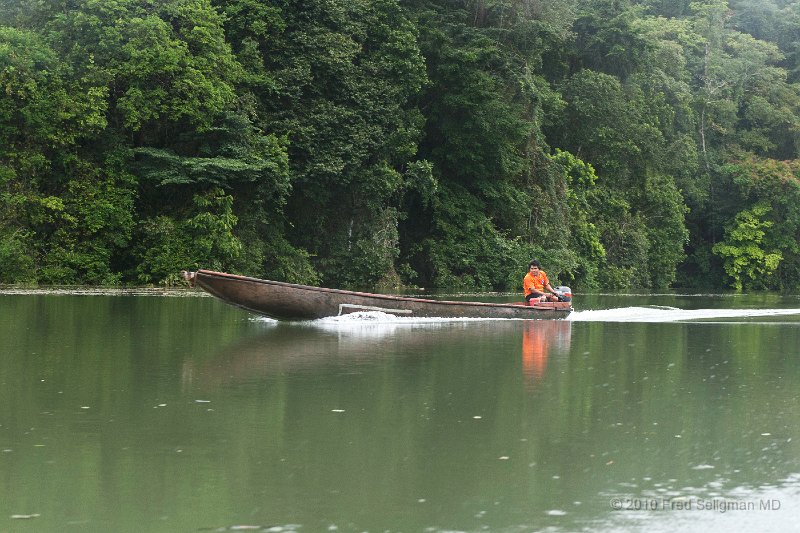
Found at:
<point>565,293</point>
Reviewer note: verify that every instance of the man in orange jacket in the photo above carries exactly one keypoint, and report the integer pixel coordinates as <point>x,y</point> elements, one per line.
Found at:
<point>536,282</point>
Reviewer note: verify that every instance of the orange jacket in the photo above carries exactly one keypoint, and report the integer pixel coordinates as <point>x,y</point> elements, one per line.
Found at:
<point>537,283</point>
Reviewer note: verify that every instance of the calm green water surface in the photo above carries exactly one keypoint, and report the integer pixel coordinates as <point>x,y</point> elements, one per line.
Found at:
<point>642,413</point>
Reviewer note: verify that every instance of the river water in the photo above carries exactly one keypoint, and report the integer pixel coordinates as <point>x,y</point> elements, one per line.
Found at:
<point>639,413</point>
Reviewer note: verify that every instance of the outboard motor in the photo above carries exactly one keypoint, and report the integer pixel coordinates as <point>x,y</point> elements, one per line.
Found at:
<point>564,293</point>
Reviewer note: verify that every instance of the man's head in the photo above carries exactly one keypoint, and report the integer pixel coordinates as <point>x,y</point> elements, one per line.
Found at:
<point>534,266</point>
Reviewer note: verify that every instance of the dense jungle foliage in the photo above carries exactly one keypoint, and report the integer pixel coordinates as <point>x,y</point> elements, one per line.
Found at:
<point>438,143</point>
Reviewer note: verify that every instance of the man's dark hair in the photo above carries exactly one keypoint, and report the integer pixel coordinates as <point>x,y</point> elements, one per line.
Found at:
<point>535,263</point>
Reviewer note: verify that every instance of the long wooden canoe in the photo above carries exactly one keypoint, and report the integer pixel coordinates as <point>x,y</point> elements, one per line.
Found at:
<point>289,301</point>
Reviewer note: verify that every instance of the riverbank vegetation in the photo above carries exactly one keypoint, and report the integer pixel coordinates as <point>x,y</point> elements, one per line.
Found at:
<point>440,143</point>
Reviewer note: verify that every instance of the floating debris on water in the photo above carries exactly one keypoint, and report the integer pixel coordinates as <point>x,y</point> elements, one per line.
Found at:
<point>202,401</point>
<point>25,516</point>
<point>337,411</point>
<point>703,467</point>
<point>556,512</point>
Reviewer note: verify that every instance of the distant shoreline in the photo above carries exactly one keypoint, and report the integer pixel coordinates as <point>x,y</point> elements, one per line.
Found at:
<point>102,291</point>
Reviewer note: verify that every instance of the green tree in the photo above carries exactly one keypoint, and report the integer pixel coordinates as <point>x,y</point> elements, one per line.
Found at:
<point>745,259</point>
<point>175,122</point>
<point>774,187</point>
<point>583,243</point>
<point>484,106</point>
<point>201,237</point>
<point>73,211</point>
<point>337,80</point>
<point>664,210</point>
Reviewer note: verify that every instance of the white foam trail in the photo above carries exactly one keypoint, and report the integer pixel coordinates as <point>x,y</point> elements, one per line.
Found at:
<point>379,317</point>
<point>263,319</point>
<point>379,325</point>
<point>671,314</point>
<point>375,321</point>
<point>623,314</point>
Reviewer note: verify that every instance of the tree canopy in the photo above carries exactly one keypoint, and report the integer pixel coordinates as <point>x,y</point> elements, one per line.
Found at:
<point>437,143</point>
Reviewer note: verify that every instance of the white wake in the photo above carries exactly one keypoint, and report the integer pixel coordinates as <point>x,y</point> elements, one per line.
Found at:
<point>623,314</point>
<point>672,314</point>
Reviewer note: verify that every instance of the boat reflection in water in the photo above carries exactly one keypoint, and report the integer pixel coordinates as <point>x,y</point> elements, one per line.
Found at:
<point>539,338</point>
<point>334,346</point>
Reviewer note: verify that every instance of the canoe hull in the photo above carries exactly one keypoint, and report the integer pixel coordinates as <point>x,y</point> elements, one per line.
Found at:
<point>288,301</point>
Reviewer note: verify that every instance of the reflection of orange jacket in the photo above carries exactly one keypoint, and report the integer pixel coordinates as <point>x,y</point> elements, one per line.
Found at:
<point>534,352</point>
<point>533,283</point>
<point>535,345</point>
